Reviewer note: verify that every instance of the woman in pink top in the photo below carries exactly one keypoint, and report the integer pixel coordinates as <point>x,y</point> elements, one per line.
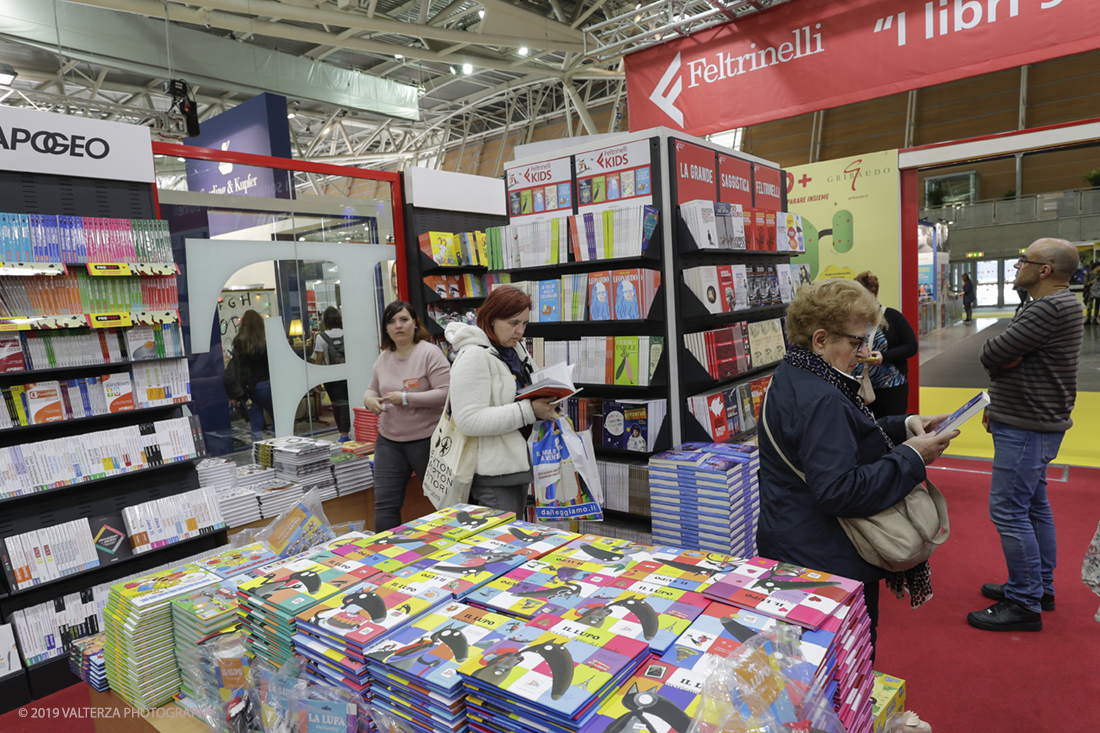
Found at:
<point>407,390</point>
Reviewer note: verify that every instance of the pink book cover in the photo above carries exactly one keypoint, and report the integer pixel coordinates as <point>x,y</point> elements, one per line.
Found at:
<point>786,592</point>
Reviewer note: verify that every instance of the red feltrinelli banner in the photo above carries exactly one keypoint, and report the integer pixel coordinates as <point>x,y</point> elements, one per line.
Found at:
<point>815,54</point>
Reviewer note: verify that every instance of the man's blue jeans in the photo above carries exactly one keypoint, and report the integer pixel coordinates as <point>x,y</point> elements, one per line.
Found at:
<point>1019,508</point>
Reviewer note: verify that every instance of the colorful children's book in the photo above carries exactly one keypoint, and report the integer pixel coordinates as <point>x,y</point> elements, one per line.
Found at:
<point>626,360</point>
<point>552,677</point>
<point>673,567</point>
<point>390,552</point>
<point>355,620</point>
<point>549,301</point>
<point>458,521</point>
<point>460,569</point>
<point>783,591</point>
<point>239,560</point>
<point>524,538</point>
<point>656,618</point>
<point>540,587</point>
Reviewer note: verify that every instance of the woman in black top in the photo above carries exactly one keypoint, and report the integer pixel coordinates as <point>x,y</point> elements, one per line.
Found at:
<point>894,344</point>
<point>250,346</point>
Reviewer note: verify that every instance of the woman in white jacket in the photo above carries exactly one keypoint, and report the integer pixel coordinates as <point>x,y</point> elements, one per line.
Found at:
<point>491,364</point>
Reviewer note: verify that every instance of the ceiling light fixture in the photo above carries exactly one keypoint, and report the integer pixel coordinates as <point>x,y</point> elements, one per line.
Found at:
<point>523,51</point>
<point>290,115</point>
<point>467,68</point>
<point>7,74</point>
<point>398,56</point>
<point>481,13</point>
<point>182,160</point>
<point>453,70</point>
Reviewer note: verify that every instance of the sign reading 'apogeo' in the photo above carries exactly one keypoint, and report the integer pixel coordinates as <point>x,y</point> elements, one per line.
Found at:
<point>43,142</point>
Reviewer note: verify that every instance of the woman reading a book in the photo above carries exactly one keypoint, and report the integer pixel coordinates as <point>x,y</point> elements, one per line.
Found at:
<point>408,389</point>
<point>490,366</point>
<point>823,455</point>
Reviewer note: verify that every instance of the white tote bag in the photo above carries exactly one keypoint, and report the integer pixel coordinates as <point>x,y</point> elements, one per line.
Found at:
<point>451,463</point>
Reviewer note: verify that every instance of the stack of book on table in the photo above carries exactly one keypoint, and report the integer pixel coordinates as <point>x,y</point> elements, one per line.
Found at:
<point>821,603</point>
<point>199,617</point>
<point>706,496</point>
<point>86,661</point>
<point>140,650</point>
<point>352,473</point>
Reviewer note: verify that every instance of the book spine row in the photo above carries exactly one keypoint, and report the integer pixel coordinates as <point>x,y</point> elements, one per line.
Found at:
<point>78,292</point>
<point>47,630</point>
<point>173,519</point>
<point>49,554</point>
<point>33,467</point>
<point>622,360</point>
<point>730,411</point>
<point>611,295</point>
<point>76,239</point>
<point>161,383</point>
<point>735,349</point>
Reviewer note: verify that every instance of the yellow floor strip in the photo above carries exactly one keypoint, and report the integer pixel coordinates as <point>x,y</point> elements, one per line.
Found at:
<point>1079,448</point>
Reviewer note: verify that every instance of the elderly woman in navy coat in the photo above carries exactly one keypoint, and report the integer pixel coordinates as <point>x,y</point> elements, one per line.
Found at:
<point>853,465</point>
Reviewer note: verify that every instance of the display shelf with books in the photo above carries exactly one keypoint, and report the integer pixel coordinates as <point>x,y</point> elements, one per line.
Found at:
<point>115,274</point>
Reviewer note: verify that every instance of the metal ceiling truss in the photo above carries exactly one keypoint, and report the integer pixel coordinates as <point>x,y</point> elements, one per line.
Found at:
<point>531,63</point>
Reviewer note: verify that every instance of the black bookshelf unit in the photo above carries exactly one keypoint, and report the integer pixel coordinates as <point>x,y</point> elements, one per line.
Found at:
<point>40,193</point>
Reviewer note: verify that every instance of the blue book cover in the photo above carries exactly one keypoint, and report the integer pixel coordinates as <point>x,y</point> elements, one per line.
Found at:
<point>565,196</point>
<point>81,240</point>
<point>641,182</point>
<point>26,243</point>
<point>549,301</point>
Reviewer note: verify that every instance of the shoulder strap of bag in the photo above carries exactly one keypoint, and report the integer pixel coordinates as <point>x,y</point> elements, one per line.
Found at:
<point>768,430</point>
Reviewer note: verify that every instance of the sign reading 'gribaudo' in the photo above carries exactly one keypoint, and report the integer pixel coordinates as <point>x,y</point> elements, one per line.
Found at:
<point>44,142</point>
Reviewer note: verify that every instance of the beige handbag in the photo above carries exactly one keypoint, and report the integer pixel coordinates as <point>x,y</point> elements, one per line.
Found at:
<point>866,391</point>
<point>899,538</point>
<point>451,463</point>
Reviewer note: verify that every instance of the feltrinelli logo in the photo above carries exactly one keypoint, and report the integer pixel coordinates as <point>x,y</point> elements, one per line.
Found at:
<point>664,97</point>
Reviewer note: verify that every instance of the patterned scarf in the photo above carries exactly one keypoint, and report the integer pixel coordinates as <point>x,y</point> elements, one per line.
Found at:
<point>916,581</point>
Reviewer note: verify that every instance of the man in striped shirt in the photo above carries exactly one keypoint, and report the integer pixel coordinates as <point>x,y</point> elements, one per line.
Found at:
<point>1032,370</point>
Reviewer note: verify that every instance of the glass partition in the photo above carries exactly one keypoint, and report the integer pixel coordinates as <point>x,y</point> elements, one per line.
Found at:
<point>281,290</point>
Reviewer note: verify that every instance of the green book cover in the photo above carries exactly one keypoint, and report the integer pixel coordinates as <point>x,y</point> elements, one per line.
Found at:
<point>555,228</point>
<point>656,348</point>
<point>626,360</point>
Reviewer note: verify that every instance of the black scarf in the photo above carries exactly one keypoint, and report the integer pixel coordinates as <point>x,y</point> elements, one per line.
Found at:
<point>915,580</point>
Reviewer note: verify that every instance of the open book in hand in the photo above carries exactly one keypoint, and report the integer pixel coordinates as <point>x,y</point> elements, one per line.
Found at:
<point>964,413</point>
<point>553,382</point>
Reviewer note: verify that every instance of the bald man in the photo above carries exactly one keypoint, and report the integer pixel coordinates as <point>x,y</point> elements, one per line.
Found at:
<point>1032,370</point>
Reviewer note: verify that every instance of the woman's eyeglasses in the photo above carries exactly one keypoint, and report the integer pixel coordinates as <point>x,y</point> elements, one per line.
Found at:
<point>858,342</point>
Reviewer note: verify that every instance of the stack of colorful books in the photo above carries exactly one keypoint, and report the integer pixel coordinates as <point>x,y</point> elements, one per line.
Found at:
<point>199,617</point>
<point>459,521</point>
<point>706,496</point>
<point>523,538</point>
<point>268,605</point>
<point>414,669</point>
<point>530,679</point>
<point>140,651</point>
<point>351,472</point>
<point>819,602</point>
<point>86,661</point>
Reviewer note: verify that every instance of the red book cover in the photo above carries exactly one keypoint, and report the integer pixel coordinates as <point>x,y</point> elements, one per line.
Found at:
<point>574,239</point>
<point>749,217</point>
<point>769,231</point>
<point>708,339</point>
<point>609,350</point>
<point>726,352</point>
<point>758,388</point>
<point>11,355</point>
<point>716,414</point>
<point>759,226</point>
<point>725,288</point>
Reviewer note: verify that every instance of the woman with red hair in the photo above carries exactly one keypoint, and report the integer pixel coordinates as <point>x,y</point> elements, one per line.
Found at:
<point>490,366</point>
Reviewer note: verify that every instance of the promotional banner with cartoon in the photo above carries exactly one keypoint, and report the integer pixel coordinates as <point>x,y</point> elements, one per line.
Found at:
<point>851,217</point>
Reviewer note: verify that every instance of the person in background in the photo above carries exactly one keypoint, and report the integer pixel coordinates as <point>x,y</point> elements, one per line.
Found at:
<point>968,298</point>
<point>893,345</point>
<point>408,389</point>
<point>1032,369</point>
<point>823,455</point>
<point>250,346</point>
<point>490,366</point>
<point>328,348</point>
<point>1092,294</point>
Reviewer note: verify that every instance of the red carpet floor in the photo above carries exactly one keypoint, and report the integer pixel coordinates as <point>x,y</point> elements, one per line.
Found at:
<point>960,678</point>
<point>57,714</point>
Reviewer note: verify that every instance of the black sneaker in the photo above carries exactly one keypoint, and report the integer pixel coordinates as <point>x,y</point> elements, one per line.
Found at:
<point>996,592</point>
<point>1006,616</point>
